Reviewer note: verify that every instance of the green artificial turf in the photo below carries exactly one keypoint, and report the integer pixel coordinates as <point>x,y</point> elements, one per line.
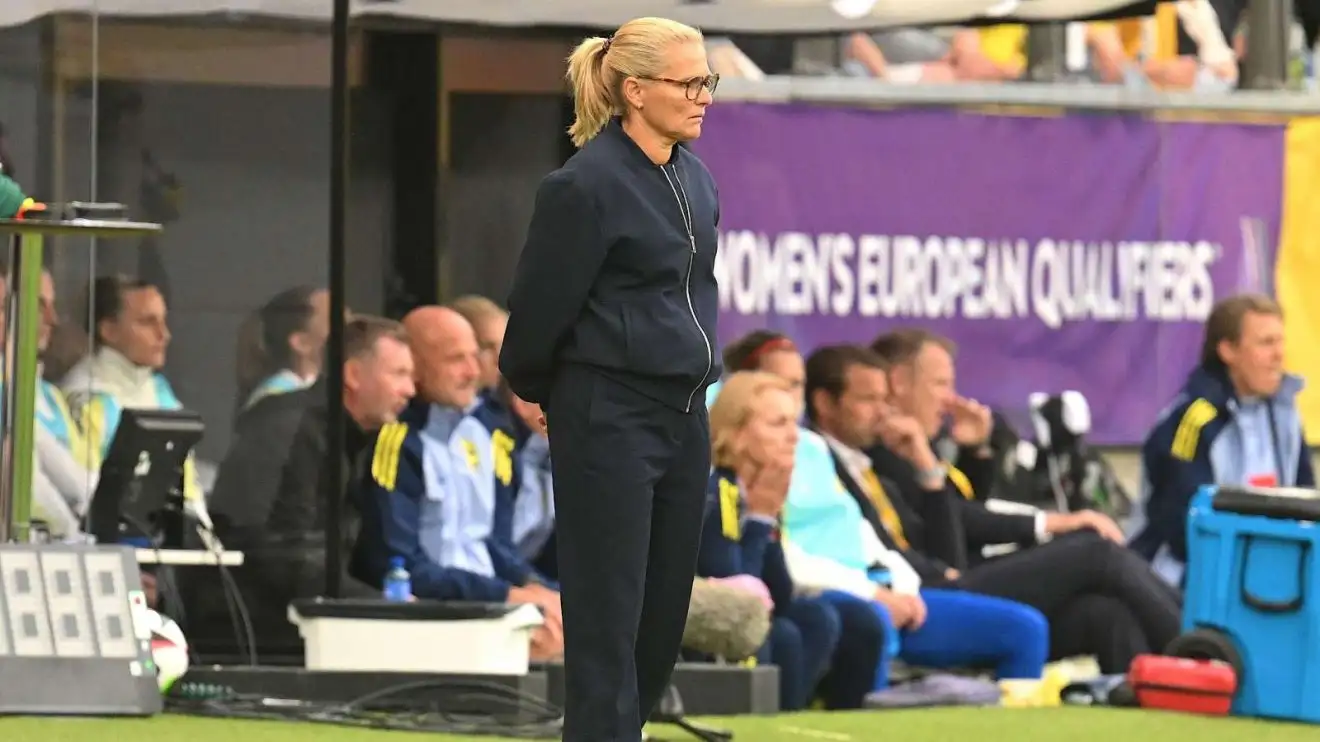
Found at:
<point>934,725</point>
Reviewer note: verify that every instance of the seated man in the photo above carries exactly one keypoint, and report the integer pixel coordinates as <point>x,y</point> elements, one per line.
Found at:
<point>921,388</point>
<point>1234,423</point>
<point>270,497</point>
<point>429,496</point>
<point>1098,598</point>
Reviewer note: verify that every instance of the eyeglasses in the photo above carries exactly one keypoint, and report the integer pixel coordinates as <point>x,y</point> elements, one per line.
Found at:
<point>693,87</point>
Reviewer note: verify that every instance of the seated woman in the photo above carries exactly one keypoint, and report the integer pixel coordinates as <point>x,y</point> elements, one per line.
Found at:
<point>130,336</point>
<point>281,346</point>
<point>753,432</point>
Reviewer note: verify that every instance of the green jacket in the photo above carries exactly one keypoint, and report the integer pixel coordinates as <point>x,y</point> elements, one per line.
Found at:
<point>11,197</point>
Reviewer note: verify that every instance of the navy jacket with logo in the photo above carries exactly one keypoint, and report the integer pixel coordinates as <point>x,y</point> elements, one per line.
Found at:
<point>1210,436</point>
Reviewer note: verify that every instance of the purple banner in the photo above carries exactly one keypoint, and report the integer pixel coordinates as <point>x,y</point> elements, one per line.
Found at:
<point>1073,252</point>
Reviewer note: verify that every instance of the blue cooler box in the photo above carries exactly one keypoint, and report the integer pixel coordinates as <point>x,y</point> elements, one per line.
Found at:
<point>1253,584</point>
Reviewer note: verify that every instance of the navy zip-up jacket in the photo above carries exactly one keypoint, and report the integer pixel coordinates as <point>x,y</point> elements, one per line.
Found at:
<point>733,543</point>
<point>1210,436</point>
<point>618,274</point>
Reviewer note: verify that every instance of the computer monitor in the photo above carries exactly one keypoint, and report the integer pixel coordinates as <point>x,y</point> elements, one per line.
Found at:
<point>142,478</point>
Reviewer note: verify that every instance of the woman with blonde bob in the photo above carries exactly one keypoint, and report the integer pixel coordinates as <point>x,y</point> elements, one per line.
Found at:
<point>612,331</point>
<point>754,434</point>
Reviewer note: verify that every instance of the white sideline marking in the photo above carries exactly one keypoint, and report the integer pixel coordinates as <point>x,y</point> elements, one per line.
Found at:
<point>816,733</point>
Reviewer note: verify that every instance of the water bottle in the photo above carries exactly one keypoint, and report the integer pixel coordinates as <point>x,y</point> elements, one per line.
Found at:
<point>398,583</point>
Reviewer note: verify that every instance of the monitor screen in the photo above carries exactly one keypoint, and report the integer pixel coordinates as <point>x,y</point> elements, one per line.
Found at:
<point>142,473</point>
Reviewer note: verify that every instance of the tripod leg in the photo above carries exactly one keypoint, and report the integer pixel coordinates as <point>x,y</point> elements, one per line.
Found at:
<point>670,711</point>
<point>705,733</point>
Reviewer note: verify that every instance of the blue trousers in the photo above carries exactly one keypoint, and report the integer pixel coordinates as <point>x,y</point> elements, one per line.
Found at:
<point>964,630</point>
<point>802,640</point>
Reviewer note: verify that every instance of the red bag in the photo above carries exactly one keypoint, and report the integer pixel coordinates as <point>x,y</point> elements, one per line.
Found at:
<point>1177,684</point>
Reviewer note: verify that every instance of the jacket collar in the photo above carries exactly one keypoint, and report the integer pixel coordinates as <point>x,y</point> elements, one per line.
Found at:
<point>108,371</point>
<point>614,133</point>
<point>854,461</point>
<point>1212,385</point>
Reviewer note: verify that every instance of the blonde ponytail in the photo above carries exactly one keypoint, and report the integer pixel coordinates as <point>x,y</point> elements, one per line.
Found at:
<point>597,67</point>
<point>592,94</point>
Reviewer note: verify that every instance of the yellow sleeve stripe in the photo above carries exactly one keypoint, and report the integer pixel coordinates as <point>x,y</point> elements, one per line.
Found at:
<point>192,486</point>
<point>385,460</point>
<point>92,419</point>
<point>1187,438</point>
<point>730,523</point>
<point>961,482</point>
<point>502,447</point>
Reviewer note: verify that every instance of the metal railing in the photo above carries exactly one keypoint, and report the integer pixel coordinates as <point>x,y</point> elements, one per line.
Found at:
<point>854,91</point>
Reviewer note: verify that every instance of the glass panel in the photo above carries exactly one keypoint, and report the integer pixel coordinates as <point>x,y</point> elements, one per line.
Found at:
<point>219,131</point>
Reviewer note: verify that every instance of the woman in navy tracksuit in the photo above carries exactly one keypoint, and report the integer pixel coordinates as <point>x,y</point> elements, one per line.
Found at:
<point>612,331</point>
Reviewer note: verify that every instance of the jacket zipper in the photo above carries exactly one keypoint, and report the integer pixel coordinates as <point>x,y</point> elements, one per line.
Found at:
<point>685,209</point>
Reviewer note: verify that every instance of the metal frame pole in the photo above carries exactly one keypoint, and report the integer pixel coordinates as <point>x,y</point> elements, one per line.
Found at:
<point>1047,51</point>
<point>1269,33</point>
<point>17,434</point>
<point>334,368</point>
<point>26,281</point>
<point>8,443</point>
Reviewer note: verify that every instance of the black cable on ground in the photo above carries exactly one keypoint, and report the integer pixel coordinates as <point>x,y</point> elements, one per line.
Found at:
<point>527,717</point>
<point>234,599</point>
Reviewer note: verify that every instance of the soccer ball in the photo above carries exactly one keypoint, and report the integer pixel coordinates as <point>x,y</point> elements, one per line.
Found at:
<point>169,649</point>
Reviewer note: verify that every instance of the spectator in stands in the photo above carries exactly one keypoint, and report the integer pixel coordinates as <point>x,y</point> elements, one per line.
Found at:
<point>62,483</point>
<point>1207,60</point>
<point>753,434</point>
<point>1235,422</point>
<point>438,516</point>
<point>912,55</point>
<point>730,62</point>
<point>129,339</point>
<point>281,346</point>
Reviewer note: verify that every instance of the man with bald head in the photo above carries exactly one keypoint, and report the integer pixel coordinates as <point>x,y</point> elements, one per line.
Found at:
<point>429,495</point>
